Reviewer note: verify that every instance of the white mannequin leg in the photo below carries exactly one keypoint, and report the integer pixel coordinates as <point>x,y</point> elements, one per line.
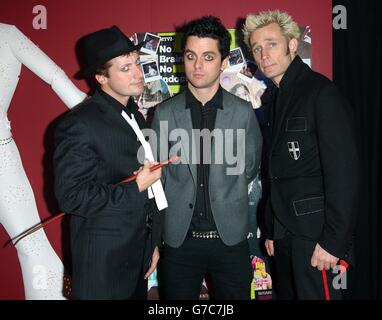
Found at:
<point>42,269</point>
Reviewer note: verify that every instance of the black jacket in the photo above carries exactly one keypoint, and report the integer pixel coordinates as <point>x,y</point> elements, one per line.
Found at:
<point>313,161</point>
<point>95,148</point>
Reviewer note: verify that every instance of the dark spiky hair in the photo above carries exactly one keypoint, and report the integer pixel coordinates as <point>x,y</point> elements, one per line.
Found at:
<point>208,27</point>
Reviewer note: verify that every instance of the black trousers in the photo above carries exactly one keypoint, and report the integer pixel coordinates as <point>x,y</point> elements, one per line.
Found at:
<point>182,270</point>
<point>140,292</point>
<point>295,278</point>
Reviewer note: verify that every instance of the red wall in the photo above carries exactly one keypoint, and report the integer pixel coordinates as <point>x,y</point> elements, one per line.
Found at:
<point>35,105</point>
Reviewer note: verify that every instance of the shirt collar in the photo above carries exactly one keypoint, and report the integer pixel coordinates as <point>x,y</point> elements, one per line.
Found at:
<point>215,102</point>
<point>294,70</point>
<point>119,107</point>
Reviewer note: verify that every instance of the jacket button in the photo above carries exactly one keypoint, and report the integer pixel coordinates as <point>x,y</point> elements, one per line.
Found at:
<point>190,205</point>
<point>275,178</point>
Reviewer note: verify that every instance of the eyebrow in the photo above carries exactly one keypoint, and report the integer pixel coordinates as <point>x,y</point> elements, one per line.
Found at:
<point>206,52</point>
<point>127,64</point>
<point>267,39</point>
<point>132,62</point>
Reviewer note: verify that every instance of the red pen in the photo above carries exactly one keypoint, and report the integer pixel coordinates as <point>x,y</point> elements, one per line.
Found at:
<point>154,167</point>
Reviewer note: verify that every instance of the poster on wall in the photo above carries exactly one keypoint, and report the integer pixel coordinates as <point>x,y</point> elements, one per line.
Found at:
<point>167,60</point>
<point>162,66</point>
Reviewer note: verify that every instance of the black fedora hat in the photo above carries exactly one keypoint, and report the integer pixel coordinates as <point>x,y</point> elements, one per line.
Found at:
<point>101,46</point>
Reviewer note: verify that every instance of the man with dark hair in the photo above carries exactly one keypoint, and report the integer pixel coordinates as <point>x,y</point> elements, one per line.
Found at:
<point>206,222</point>
<point>95,149</point>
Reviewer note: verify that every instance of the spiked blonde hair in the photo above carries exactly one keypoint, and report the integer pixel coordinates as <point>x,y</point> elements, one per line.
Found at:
<point>289,27</point>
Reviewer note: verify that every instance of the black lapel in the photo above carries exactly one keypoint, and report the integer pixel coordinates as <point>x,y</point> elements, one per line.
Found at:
<point>283,105</point>
<point>183,120</point>
<point>286,97</point>
<point>112,116</point>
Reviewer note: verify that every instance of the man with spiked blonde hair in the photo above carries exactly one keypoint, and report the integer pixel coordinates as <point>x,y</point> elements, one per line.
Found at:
<point>313,164</point>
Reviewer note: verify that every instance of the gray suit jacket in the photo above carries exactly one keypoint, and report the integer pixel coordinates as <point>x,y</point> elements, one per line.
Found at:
<point>228,181</point>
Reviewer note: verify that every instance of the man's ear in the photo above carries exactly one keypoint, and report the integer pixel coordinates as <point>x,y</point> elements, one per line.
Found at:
<point>101,79</point>
<point>293,46</point>
<point>224,64</point>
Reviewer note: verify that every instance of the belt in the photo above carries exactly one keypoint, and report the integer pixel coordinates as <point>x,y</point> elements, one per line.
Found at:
<point>205,234</point>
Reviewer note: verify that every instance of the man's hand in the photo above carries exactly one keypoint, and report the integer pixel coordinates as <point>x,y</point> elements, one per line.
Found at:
<point>269,247</point>
<point>146,177</point>
<point>154,262</point>
<point>323,259</point>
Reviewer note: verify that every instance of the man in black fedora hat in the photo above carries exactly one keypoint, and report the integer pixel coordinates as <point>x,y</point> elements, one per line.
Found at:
<point>95,148</point>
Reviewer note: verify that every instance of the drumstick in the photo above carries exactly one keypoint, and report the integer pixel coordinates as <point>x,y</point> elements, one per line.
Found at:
<point>154,167</point>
